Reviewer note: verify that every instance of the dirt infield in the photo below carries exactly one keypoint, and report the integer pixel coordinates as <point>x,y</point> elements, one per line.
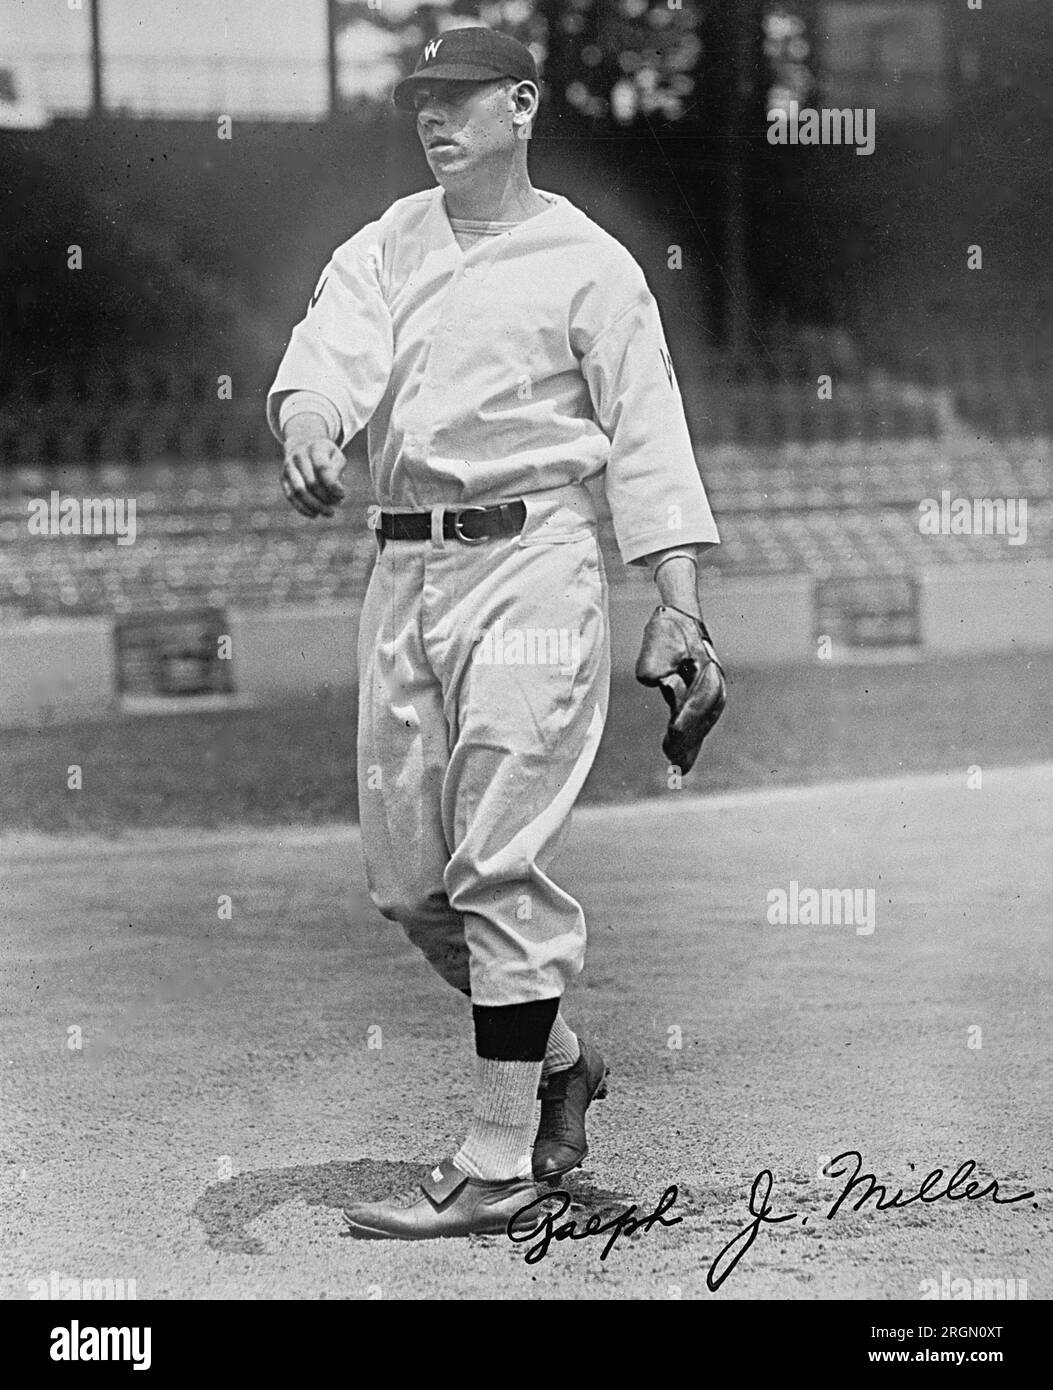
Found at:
<point>190,1099</point>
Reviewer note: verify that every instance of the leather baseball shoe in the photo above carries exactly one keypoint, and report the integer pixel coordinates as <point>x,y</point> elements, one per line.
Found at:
<point>446,1203</point>
<point>560,1144</point>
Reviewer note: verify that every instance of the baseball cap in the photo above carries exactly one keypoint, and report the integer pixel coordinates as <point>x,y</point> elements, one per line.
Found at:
<point>467,55</point>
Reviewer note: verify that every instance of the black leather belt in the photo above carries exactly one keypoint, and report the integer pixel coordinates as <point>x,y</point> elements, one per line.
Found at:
<point>471,525</point>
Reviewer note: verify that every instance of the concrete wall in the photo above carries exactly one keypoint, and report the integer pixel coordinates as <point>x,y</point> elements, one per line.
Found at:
<point>278,651</point>
<point>754,622</point>
<point>984,608</point>
<point>57,668</point>
<point>65,668</point>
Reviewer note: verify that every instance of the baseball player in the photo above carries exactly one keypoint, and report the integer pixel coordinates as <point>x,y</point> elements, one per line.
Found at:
<point>502,350</point>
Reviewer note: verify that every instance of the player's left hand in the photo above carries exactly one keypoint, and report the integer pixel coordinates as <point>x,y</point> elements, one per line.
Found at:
<point>677,656</point>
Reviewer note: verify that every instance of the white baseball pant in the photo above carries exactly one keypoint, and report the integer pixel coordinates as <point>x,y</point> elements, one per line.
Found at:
<point>484,674</point>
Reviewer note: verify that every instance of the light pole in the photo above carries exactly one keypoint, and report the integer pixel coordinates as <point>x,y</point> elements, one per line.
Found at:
<point>96,60</point>
<point>334,91</point>
<point>745,23</point>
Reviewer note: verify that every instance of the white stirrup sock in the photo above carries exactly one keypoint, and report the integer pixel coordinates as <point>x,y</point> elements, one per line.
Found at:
<point>501,1134</point>
<point>562,1050</point>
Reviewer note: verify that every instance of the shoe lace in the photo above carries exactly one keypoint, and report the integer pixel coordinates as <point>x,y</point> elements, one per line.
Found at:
<point>553,1107</point>
<point>553,1120</point>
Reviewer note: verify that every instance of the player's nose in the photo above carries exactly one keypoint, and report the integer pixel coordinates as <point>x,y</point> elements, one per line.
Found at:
<point>429,115</point>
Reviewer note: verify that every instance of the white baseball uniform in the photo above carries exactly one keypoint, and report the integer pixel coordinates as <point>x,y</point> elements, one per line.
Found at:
<point>517,368</point>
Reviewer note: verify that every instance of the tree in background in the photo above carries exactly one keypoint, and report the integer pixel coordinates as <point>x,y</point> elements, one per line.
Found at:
<point>604,59</point>
<point>377,44</point>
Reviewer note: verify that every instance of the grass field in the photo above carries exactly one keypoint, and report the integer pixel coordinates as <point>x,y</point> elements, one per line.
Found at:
<point>295,764</point>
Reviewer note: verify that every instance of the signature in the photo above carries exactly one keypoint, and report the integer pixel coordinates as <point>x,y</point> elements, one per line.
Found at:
<point>623,1225</point>
<point>934,1188</point>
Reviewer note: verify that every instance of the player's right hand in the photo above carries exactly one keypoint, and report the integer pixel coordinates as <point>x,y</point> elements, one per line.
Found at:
<point>311,476</point>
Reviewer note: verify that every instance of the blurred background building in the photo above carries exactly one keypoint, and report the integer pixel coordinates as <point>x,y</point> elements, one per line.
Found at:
<point>773,265</point>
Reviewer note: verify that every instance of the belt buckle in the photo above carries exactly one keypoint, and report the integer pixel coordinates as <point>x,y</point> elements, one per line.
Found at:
<point>467,540</point>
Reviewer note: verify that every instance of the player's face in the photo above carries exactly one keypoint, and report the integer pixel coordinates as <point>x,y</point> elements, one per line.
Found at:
<point>463,125</point>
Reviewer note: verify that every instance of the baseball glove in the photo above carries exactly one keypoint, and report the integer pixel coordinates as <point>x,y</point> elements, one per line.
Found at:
<point>677,655</point>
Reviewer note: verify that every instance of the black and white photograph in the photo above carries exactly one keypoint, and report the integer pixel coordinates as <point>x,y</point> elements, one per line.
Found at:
<point>526,638</point>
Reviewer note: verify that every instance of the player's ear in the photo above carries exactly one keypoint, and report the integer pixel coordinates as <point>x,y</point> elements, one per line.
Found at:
<point>523,99</point>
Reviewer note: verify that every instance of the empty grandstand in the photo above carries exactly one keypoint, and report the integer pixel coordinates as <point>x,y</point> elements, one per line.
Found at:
<point>166,231</point>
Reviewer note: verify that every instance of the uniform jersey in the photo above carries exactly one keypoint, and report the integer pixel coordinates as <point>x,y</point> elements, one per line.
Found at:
<point>532,360</point>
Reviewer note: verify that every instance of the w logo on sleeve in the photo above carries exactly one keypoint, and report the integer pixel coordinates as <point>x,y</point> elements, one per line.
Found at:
<point>431,49</point>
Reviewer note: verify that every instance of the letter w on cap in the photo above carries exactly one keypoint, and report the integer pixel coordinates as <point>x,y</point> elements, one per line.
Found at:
<point>430,49</point>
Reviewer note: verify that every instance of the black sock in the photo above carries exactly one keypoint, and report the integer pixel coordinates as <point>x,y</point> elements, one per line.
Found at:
<point>514,1032</point>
